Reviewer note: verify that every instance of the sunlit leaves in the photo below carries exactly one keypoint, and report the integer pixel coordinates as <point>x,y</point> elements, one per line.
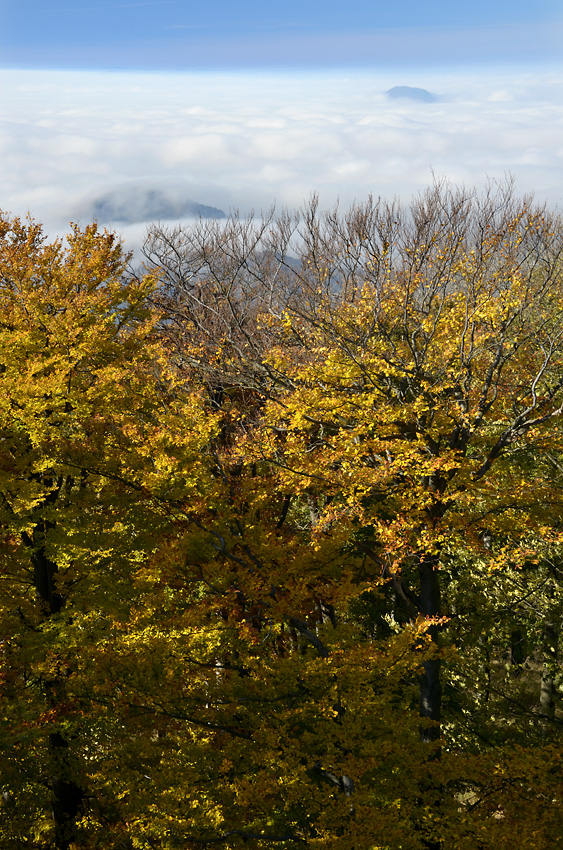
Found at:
<point>225,531</point>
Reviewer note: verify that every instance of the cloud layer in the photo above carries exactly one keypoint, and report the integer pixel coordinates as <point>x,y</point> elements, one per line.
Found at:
<point>248,140</point>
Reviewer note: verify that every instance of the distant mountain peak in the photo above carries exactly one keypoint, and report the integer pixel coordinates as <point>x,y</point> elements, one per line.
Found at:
<point>129,204</point>
<point>411,93</point>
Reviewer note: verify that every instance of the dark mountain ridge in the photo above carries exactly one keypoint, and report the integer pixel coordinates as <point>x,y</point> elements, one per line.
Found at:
<point>134,204</point>
<point>411,93</point>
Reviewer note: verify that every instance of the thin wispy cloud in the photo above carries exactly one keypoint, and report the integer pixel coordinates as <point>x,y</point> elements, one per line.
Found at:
<point>105,8</point>
<point>151,3</point>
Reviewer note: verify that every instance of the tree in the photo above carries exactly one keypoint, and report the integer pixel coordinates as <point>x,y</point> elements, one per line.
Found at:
<point>254,502</point>
<point>139,672</point>
<point>85,464</point>
<point>408,403</point>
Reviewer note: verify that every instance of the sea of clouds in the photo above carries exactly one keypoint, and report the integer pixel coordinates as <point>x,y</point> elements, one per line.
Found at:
<point>70,140</point>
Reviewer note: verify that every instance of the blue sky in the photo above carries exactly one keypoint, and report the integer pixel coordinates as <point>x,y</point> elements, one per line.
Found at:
<point>166,34</point>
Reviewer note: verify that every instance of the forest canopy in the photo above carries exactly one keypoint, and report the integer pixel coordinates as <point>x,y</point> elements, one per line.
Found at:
<point>281,545</point>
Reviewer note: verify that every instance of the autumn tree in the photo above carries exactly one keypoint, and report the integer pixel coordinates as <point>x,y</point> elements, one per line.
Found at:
<point>158,663</point>
<point>85,460</point>
<point>266,505</point>
<point>408,412</point>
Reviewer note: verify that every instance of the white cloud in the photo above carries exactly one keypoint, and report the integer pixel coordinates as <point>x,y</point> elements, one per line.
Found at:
<point>247,139</point>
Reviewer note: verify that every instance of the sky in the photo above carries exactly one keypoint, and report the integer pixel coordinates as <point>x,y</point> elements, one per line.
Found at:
<point>175,34</point>
<point>240,105</point>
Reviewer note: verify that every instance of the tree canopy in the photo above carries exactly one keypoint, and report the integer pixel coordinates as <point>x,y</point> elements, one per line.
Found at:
<point>281,531</point>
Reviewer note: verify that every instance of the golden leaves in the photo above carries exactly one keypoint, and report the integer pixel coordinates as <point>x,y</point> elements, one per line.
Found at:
<point>239,546</point>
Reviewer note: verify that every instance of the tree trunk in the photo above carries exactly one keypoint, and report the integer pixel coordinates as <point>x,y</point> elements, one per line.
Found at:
<point>66,793</point>
<point>429,681</point>
<point>44,571</point>
<point>517,651</point>
<point>430,685</point>
<point>547,685</point>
